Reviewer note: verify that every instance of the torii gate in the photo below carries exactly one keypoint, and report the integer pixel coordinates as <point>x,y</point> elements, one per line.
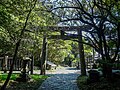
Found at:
<point>62,30</point>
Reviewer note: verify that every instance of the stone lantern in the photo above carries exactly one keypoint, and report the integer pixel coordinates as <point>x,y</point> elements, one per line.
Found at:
<point>24,71</point>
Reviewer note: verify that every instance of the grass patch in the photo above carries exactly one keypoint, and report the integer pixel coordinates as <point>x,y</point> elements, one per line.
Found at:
<point>4,76</point>
<point>33,84</point>
<point>37,77</point>
<point>103,84</point>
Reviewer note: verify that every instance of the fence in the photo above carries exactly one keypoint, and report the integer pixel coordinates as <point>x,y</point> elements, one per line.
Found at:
<point>5,63</point>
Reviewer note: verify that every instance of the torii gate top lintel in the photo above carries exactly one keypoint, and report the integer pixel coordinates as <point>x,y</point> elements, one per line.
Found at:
<point>63,29</point>
<point>67,28</point>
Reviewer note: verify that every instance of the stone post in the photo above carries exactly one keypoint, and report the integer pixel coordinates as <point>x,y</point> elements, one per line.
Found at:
<point>24,71</point>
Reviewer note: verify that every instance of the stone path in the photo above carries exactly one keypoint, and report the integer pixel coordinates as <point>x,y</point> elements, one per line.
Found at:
<point>64,79</point>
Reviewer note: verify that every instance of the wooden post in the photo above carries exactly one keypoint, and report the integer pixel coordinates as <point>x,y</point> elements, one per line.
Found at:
<point>93,60</point>
<point>16,64</point>
<point>2,63</point>
<point>20,65</point>
<point>8,64</point>
<point>5,64</point>
<point>32,64</point>
<point>90,62</point>
<point>62,33</point>
<point>87,62</point>
<point>118,57</point>
<point>81,53</point>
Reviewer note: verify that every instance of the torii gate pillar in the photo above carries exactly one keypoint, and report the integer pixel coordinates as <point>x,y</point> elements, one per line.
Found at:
<point>44,56</point>
<point>81,53</point>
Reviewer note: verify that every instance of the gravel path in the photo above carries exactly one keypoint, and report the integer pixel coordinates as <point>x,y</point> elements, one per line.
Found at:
<point>66,81</point>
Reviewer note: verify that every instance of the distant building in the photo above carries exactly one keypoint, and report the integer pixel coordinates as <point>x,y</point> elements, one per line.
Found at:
<point>50,65</point>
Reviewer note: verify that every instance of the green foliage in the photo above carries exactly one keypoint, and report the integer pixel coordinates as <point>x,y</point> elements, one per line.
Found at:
<point>58,50</point>
<point>12,18</point>
<point>4,76</point>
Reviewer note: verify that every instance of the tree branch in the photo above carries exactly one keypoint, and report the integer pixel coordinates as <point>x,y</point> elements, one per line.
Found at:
<point>65,7</point>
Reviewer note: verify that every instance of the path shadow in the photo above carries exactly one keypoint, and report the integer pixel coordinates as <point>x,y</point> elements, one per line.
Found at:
<point>71,68</point>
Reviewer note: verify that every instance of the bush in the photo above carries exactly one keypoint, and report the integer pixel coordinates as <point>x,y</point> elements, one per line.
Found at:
<point>82,82</point>
<point>103,84</point>
<point>94,76</point>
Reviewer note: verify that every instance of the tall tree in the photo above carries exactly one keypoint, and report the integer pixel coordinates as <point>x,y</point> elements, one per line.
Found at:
<point>103,16</point>
<point>22,28</point>
<point>18,43</point>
